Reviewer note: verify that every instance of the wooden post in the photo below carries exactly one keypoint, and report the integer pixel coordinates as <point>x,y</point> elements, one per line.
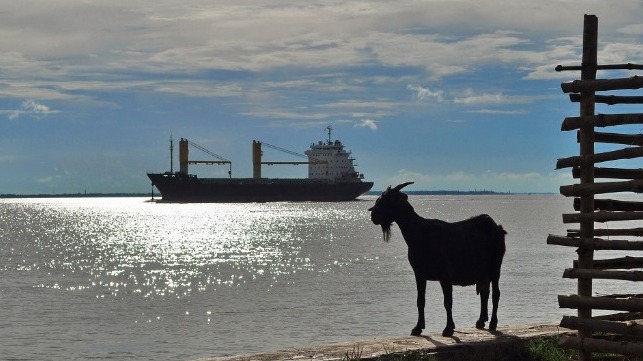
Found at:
<point>586,139</point>
<point>627,339</point>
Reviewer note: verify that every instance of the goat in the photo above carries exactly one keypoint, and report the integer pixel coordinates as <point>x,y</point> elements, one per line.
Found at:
<point>462,253</point>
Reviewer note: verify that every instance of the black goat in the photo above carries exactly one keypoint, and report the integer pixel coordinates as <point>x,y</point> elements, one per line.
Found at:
<point>462,253</point>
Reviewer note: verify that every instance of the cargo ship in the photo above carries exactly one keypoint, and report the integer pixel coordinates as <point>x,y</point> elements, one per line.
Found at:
<point>332,177</point>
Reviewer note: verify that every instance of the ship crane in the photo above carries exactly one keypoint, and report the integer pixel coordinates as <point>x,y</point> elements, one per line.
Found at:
<point>257,162</point>
<point>184,160</point>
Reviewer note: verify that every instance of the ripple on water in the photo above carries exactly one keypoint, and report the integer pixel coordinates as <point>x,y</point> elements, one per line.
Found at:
<point>121,277</point>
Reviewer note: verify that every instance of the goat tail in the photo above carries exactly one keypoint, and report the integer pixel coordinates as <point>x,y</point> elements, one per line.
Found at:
<point>500,241</point>
<point>498,235</point>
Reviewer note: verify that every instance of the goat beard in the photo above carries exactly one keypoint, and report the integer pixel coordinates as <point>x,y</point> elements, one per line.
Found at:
<point>386,231</point>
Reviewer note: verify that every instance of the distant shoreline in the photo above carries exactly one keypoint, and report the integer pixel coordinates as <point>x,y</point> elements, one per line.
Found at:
<point>448,193</point>
<point>79,195</point>
<point>149,195</point>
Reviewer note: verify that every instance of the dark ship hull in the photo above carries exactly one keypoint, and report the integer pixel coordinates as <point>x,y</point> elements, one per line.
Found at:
<point>180,187</point>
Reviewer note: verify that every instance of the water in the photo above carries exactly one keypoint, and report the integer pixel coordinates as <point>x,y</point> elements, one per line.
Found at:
<point>122,278</point>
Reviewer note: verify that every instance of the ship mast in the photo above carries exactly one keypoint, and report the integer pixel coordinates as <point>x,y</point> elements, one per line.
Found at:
<point>171,154</point>
<point>329,129</point>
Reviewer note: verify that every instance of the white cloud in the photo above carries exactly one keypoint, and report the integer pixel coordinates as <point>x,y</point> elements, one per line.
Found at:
<point>360,104</point>
<point>470,97</point>
<point>480,99</point>
<point>367,123</point>
<point>35,107</point>
<point>30,107</point>
<point>63,38</point>
<point>500,112</point>
<point>200,88</point>
<point>421,93</point>
<point>632,29</point>
<point>249,35</point>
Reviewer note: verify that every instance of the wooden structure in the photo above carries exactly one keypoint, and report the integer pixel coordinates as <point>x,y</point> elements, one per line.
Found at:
<point>620,333</point>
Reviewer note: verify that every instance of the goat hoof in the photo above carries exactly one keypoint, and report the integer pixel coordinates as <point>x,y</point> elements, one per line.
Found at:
<point>448,332</point>
<point>493,325</point>
<point>480,324</point>
<point>416,331</point>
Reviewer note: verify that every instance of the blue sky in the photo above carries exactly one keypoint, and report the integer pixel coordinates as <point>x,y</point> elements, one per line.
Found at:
<point>456,95</point>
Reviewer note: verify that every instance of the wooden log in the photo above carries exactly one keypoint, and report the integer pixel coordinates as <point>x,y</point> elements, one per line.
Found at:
<point>625,295</point>
<point>589,159</point>
<point>576,190</point>
<point>602,216</point>
<point>626,262</point>
<point>621,317</point>
<point>612,205</point>
<point>614,173</point>
<point>634,232</point>
<point>616,138</point>
<point>595,345</point>
<point>581,273</point>
<point>594,85</point>
<point>610,99</point>
<point>628,66</point>
<point>627,328</point>
<point>601,303</point>
<point>595,243</point>
<point>601,120</point>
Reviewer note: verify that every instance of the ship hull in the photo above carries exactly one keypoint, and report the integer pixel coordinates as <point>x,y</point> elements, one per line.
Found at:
<point>179,187</point>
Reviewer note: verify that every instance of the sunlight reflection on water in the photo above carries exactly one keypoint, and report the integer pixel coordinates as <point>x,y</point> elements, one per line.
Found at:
<point>160,250</point>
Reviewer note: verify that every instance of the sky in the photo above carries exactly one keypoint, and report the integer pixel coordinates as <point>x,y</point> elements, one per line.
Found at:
<point>453,95</point>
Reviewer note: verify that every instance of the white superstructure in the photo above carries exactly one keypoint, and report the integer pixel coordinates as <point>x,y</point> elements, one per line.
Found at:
<point>330,161</point>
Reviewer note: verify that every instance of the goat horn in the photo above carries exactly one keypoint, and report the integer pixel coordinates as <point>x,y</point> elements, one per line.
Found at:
<point>398,187</point>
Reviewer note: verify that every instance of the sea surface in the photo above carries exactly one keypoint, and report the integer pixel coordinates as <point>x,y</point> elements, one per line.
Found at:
<point>125,278</point>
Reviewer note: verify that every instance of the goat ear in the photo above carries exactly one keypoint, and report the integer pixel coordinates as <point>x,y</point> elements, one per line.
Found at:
<point>398,187</point>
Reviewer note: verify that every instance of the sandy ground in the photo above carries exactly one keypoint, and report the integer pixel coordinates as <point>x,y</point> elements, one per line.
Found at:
<point>366,349</point>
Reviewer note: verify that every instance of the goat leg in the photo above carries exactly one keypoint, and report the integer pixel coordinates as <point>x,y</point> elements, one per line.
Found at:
<point>495,299</point>
<point>483,289</point>
<point>421,288</point>
<point>447,291</point>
